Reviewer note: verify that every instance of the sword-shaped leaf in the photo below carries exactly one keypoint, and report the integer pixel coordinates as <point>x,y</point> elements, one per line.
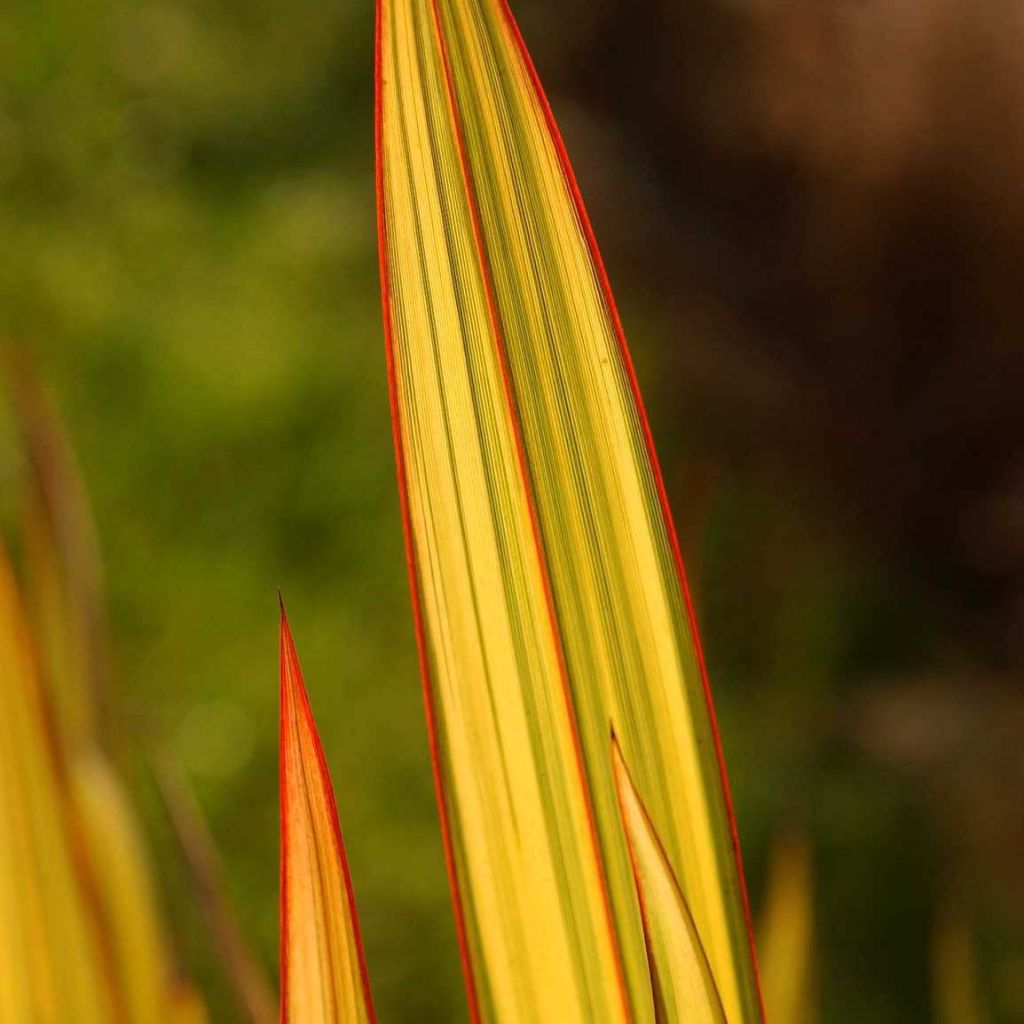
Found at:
<point>323,970</point>
<point>547,585</point>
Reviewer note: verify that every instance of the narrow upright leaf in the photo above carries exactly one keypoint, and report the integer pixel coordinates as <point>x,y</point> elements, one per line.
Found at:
<point>786,939</point>
<point>239,962</point>
<point>121,878</point>
<point>547,583</point>
<point>956,989</point>
<point>63,576</point>
<point>683,989</point>
<point>323,971</point>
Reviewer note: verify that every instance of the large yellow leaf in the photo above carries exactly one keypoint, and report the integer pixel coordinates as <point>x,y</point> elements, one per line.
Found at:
<point>323,971</point>
<point>547,584</point>
<point>684,990</point>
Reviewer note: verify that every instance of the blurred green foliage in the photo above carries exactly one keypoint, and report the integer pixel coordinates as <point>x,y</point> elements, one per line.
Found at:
<point>187,215</point>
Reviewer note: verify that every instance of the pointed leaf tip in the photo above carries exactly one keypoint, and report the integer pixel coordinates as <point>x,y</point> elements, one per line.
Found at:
<point>323,968</point>
<point>682,985</point>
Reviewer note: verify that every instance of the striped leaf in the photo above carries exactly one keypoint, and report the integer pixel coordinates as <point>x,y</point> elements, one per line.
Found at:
<point>683,988</point>
<point>547,585</point>
<point>323,971</point>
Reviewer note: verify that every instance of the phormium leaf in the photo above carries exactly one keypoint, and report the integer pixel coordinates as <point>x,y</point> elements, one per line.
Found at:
<point>548,590</point>
<point>323,969</point>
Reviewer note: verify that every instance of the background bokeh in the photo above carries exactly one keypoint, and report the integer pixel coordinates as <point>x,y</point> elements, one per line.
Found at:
<point>813,215</point>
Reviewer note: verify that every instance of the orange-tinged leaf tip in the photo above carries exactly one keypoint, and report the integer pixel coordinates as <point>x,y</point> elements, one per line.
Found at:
<point>323,969</point>
<point>682,985</point>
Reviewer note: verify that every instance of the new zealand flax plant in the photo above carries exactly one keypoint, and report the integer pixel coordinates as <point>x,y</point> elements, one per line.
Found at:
<point>586,816</point>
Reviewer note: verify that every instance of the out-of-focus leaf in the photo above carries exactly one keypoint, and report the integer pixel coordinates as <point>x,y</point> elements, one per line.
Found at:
<point>956,991</point>
<point>55,626</point>
<point>234,954</point>
<point>62,569</point>
<point>125,905</point>
<point>54,965</point>
<point>187,1006</point>
<point>786,939</point>
<point>548,589</point>
<point>681,982</point>
<point>323,970</point>
<point>66,645</point>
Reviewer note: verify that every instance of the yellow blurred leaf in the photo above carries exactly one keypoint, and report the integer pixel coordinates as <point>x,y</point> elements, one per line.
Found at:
<point>54,967</point>
<point>548,589</point>
<point>186,1006</point>
<point>323,970</point>
<point>62,570</point>
<point>65,647</point>
<point>681,981</point>
<point>956,991</point>
<point>125,904</point>
<point>786,938</point>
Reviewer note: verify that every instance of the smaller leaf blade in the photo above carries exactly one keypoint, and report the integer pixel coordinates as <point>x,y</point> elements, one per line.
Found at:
<point>682,985</point>
<point>323,969</point>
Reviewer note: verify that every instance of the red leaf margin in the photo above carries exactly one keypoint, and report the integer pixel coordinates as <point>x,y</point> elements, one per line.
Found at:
<point>293,686</point>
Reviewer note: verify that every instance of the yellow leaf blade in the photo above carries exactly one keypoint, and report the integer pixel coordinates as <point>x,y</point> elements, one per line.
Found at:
<point>682,985</point>
<point>534,909</point>
<point>323,970</point>
<point>547,586</point>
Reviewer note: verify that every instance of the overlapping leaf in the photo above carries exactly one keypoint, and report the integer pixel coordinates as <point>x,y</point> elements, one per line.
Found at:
<point>683,987</point>
<point>79,903</point>
<point>323,971</point>
<point>547,584</point>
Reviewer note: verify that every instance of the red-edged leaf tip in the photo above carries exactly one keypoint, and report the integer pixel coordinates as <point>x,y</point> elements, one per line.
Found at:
<point>323,969</point>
